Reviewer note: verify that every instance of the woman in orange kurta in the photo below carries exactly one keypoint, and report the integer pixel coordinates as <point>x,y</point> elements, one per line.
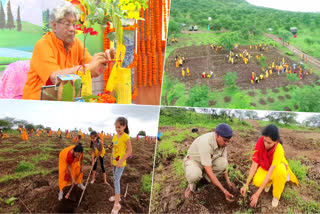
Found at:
<point>70,167</point>
<point>101,136</point>
<point>24,134</point>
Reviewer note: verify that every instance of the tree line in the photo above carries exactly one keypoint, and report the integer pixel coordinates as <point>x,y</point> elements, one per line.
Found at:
<point>237,15</point>
<point>176,115</point>
<point>8,123</point>
<point>8,23</point>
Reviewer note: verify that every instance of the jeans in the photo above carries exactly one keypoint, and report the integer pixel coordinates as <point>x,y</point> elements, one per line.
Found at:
<point>117,173</point>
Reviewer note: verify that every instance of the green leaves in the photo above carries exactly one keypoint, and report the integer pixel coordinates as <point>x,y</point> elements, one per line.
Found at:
<point>10,201</point>
<point>87,98</point>
<point>67,93</point>
<point>77,86</point>
<point>227,40</point>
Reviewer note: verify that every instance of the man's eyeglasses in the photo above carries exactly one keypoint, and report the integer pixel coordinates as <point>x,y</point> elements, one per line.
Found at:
<point>68,24</point>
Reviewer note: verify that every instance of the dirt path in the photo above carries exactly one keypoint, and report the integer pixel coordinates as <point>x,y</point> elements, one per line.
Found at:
<point>296,51</point>
<point>197,32</point>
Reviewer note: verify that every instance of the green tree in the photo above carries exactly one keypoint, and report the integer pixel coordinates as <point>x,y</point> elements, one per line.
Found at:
<point>230,81</point>
<point>21,122</point>
<point>313,120</point>
<point>142,133</point>
<point>198,96</point>
<point>2,17</point>
<point>10,22</point>
<point>292,79</point>
<point>19,26</point>
<point>45,21</point>
<point>227,40</point>
<point>244,34</point>
<point>285,35</point>
<point>215,25</point>
<point>30,126</point>
<point>241,101</point>
<point>174,28</point>
<point>282,117</point>
<point>252,115</point>
<point>308,99</point>
<point>5,124</point>
<point>39,126</point>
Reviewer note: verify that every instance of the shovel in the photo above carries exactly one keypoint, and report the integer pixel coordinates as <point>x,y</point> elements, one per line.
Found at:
<point>86,182</point>
<point>68,194</point>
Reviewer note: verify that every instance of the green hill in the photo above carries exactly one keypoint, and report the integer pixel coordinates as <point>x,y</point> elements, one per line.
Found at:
<point>242,17</point>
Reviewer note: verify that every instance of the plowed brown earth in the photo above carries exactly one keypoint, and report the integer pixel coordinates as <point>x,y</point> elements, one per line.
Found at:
<point>209,199</point>
<point>201,59</point>
<point>40,192</point>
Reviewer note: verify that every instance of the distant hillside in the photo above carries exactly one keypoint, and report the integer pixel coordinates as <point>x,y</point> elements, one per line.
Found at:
<point>239,14</point>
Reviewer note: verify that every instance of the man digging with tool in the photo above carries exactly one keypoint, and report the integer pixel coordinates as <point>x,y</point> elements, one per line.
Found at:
<point>207,157</point>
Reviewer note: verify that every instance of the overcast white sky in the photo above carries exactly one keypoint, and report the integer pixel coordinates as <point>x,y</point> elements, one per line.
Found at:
<point>292,5</point>
<point>70,115</point>
<point>301,116</point>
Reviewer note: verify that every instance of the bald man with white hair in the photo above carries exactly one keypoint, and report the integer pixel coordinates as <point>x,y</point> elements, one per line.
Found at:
<point>59,52</point>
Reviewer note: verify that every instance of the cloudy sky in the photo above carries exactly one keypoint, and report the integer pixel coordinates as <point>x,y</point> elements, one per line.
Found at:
<point>292,5</point>
<point>301,116</point>
<point>67,115</point>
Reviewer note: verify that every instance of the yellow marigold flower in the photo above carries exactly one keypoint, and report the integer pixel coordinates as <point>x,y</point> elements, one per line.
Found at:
<point>131,6</point>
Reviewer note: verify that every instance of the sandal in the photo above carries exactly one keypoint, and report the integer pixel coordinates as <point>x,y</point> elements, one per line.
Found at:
<point>112,198</point>
<point>115,211</point>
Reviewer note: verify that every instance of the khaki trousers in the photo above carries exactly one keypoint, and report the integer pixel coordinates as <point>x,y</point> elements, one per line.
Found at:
<point>194,171</point>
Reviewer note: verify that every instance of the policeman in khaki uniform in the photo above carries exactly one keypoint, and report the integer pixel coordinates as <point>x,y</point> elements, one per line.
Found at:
<point>207,157</point>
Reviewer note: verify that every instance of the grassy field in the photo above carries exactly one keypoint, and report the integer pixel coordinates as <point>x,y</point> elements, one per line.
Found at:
<point>308,41</point>
<point>29,35</point>
<point>282,100</point>
<point>8,60</point>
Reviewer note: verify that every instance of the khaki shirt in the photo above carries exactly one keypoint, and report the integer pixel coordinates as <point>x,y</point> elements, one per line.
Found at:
<point>205,149</point>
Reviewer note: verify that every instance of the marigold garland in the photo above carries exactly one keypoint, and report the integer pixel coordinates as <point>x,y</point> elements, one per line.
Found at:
<point>148,55</point>
<point>106,44</point>
<point>153,45</point>
<point>135,93</point>
<point>139,67</point>
<point>105,98</point>
<point>143,47</point>
<point>159,38</point>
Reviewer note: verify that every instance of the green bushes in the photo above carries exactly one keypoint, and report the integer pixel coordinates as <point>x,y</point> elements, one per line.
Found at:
<point>262,62</point>
<point>289,53</point>
<point>230,82</point>
<point>178,169</point>
<point>24,167</point>
<point>146,181</point>
<point>298,169</point>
